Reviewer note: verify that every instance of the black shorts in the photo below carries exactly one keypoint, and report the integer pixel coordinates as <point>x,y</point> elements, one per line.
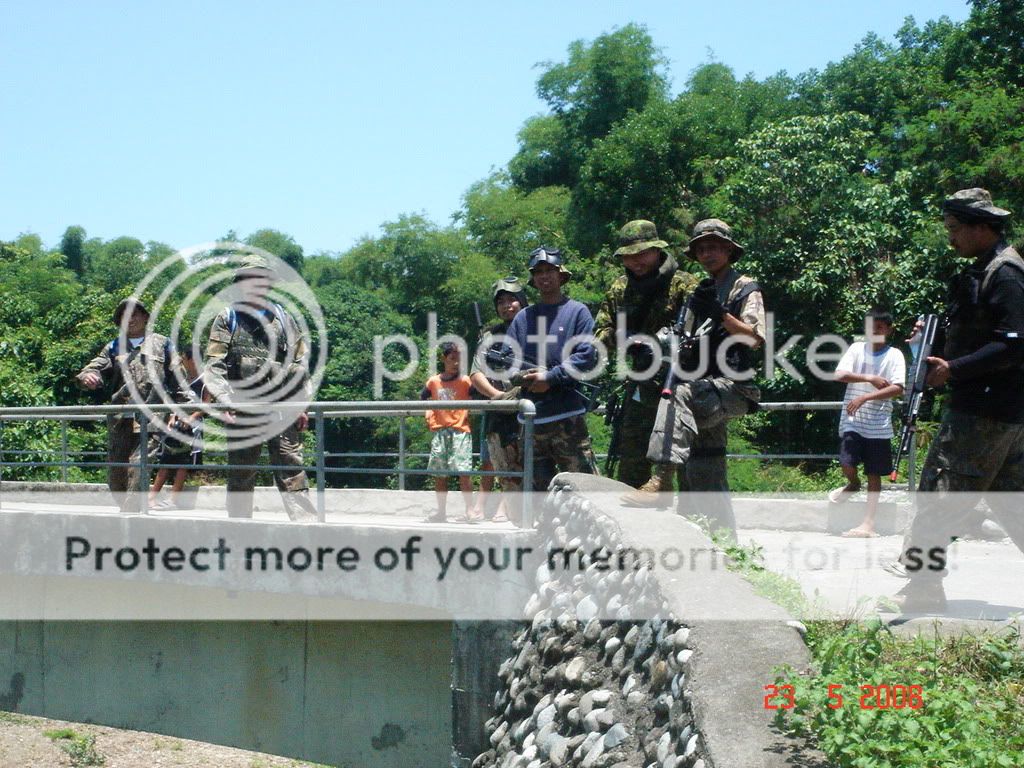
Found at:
<point>874,453</point>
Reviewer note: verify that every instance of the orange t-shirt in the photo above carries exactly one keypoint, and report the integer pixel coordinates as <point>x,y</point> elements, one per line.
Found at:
<point>453,389</point>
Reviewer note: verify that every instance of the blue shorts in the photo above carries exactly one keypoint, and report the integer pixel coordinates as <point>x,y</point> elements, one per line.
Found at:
<point>874,453</point>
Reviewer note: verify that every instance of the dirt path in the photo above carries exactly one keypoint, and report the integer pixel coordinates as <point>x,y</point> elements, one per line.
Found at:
<point>35,742</point>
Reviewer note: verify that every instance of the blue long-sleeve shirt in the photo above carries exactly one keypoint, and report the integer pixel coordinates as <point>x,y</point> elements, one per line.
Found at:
<point>560,323</point>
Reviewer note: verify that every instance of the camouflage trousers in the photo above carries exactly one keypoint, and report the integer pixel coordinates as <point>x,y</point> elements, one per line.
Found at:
<point>695,406</point>
<point>971,458</point>
<point>561,446</point>
<point>124,448</point>
<point>703,480</point>
<point>285,450</point>
<point>638,413</point>
<point>506,456</point>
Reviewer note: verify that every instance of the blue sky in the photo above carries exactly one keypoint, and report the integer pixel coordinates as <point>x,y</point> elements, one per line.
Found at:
<point>178,121</point>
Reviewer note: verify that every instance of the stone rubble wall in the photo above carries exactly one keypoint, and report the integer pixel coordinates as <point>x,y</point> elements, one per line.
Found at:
<point>585,691</point>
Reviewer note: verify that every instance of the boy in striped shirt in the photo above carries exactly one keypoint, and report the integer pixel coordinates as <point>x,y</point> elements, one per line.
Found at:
<point>874,373</point>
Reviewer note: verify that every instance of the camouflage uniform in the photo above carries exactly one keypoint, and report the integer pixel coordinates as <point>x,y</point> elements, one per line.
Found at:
<point>116,365</point>
<point>979,447</point>
<point>649,304</point>
<point>239,345</point>
<point>690,429</point>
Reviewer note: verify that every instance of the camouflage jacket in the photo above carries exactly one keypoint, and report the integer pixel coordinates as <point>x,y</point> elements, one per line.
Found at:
<point>148,367</point>
<point>239,348</point>
<point>675,287</point>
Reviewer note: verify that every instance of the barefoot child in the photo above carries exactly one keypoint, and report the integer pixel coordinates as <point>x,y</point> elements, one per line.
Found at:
<point>451,449</point>
<point>874,374</point>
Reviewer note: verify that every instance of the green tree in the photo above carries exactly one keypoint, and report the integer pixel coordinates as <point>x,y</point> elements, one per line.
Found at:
<point>278,243</point>
<point>410,267</point>
<point>506,223</point>
<point>72,246</point>
<point>596,87</point>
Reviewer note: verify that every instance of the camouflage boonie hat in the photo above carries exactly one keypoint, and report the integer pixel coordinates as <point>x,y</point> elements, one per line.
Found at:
<point>252,265</point>
<point>546,255</point>
<point>714,228</point>
<point>511,285</point>
<point>128,305</point>
<point>637,236</point>
<point>975,203</point>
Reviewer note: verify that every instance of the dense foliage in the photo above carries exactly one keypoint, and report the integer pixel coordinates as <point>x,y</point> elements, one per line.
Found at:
<point>831,179</point>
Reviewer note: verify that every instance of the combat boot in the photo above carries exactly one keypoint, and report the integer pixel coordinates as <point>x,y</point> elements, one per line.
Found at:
<point>655,493</point>
<point>921,596</point>
<point>298,506</point>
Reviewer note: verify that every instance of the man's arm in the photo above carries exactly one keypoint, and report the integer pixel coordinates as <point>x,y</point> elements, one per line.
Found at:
<point>97,371</point>
<point>604,323</point>
<point>751,322</point>
<point>215,372</point>
<point>1006,349</point>
<point>584,354</point>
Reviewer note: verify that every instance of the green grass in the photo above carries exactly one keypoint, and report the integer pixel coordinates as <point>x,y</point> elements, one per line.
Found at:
<point>972,702</point>
<point>81,748</point>
<point>971,687</point>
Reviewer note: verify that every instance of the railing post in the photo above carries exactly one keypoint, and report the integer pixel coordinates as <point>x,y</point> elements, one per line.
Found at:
<point>63,450</point>
<point>143,486</point>
<point>401,453</point>
<point>321,475</point>
<point>528,410</point>
<point>1,455</point>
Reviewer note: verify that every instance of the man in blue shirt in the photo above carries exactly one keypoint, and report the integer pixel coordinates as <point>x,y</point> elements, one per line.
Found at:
<point>555,337</point>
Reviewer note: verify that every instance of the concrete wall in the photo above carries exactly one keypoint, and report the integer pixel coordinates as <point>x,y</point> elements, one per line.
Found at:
<point>344,693</point>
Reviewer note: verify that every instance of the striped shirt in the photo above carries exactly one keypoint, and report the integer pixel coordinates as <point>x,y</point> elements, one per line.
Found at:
<point>874,419</point>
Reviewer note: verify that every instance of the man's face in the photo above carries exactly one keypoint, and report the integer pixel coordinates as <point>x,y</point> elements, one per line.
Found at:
<point>643,263</point>
<point>254,288</point>
<point>137,323</point>
<point>968,239</point>
<point>508,306</point>
<point>713,254</point>
<point>546,277</point>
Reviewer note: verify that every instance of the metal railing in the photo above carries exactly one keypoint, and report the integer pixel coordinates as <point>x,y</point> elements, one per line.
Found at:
<point>319,412</point>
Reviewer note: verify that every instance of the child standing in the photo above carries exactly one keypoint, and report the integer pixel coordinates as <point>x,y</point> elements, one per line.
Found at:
<point>186,447</point>
<point>451,449</point>
<point>874,373</point>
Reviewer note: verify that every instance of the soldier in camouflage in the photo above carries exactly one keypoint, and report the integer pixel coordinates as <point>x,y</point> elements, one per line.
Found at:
<point>979,448</point>
<point>701,408</point>
<point>144,363</point>
<point>646,298</point>
<point>256,353</point>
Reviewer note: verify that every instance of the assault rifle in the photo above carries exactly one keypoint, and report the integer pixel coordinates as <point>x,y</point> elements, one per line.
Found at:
<point>688,339</point>
<point>503,358</point>
<point>915,390</point>
<point>614,409</point>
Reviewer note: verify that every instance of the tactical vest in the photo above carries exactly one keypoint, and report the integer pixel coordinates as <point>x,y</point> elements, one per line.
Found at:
<point>969,321</point>
<point>254,343</point>
<point>739,357</point>
<point>139,366</point>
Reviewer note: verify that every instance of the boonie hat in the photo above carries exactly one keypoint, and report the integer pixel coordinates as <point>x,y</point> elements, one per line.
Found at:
<point>714,228</point>
<point>638,236</point>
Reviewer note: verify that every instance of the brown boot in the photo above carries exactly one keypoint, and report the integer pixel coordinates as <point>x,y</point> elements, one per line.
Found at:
<point>656,493</point>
